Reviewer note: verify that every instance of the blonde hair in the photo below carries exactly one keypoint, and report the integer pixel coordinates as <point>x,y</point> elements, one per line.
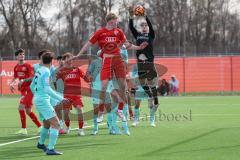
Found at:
<point>111,16</point>
<point>67,55</point>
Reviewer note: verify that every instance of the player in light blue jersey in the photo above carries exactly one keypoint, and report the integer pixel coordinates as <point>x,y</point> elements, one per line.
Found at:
<point>54,102</point>
<point>42,93</point>
<point>94,72</point>
<point>58,83</point>
<point>140,95</point>
<point>38,65</point>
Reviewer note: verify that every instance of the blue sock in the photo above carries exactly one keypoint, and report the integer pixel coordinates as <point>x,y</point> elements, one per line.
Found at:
<point>114,106</point>
<point>95,124</point>
<point>152,115</point>
<point>43,135</point>
<point>52,138</point>
<point>125,110</point>
<point>109,120</point>
<point>136,114</point>
<point>125,126</point>
<point>115,118</point>
<point>61,124</point>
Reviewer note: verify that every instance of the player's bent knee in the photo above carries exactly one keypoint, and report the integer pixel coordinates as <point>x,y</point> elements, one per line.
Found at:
<point>108,108</point>
<point>21,107</point>
<point>46,124</point>
<point>55,125</point>
<point>28,111</point>
<point>54,122</point>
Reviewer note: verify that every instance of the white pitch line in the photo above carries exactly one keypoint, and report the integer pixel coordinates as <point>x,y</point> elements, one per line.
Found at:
<point>21,140</point>
<point>35,137</point>
<point>101,124</point>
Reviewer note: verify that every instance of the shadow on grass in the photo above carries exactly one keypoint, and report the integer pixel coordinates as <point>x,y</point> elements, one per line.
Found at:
<point>202,149</point>
<point>161,150</point>
<point>32,151</point>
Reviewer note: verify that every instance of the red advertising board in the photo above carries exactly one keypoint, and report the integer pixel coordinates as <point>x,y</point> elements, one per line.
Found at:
<point>195,74</point>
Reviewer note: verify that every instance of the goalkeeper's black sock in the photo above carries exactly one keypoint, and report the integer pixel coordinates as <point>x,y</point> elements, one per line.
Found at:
<point>155,96</point>
<point>147,90</point>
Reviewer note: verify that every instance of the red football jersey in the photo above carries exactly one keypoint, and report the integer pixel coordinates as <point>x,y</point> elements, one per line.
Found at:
<point>72,80</point>
<point>23,71</point>
<point>110,41</point>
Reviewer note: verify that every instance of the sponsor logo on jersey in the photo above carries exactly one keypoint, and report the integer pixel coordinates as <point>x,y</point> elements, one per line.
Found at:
<point>143,38</point>
<point>71,76</point>
<point>20,74</point>
<point>110,39</point>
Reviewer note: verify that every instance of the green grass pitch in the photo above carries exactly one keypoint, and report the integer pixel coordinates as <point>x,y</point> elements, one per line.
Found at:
<point>203,128</point>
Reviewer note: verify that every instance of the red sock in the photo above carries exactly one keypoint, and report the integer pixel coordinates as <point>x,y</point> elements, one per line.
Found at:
<point>67,123</point>
<point>80,124</point>
<point>101,108</point>
<point>120,106</point>
<point>23,118</point>
<point>35,119</point>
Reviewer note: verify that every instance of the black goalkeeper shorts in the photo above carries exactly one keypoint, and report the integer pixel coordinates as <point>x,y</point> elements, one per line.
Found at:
<point>146,70</point>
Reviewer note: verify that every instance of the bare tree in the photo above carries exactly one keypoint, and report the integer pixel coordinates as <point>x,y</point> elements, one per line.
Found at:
<point>9,12</point>
<point>182,26</point>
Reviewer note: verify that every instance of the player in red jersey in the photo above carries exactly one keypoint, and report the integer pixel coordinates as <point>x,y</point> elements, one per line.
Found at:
<point>110,40</point>
<point>24,73</point>
<point>71,77</point>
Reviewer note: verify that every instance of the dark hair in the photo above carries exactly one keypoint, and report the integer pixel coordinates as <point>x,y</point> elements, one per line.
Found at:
<point>20,50</point>
<point>42,51</point>
<point>66,55</point>
<point>59,58</point>
<point>47,57</point>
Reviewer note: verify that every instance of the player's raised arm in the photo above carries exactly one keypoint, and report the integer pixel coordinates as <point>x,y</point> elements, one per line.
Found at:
<point>84,48</point>
<point>131,26</point>
<point>93,39</point>
<point>151,31</point>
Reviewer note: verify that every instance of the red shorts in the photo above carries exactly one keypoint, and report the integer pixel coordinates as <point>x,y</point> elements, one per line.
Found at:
<point>113,67</point>
<point>75,100</point>
<point>26,98</point>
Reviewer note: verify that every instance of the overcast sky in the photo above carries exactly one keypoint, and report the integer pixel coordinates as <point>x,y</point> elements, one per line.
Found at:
<point>52,7</point>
